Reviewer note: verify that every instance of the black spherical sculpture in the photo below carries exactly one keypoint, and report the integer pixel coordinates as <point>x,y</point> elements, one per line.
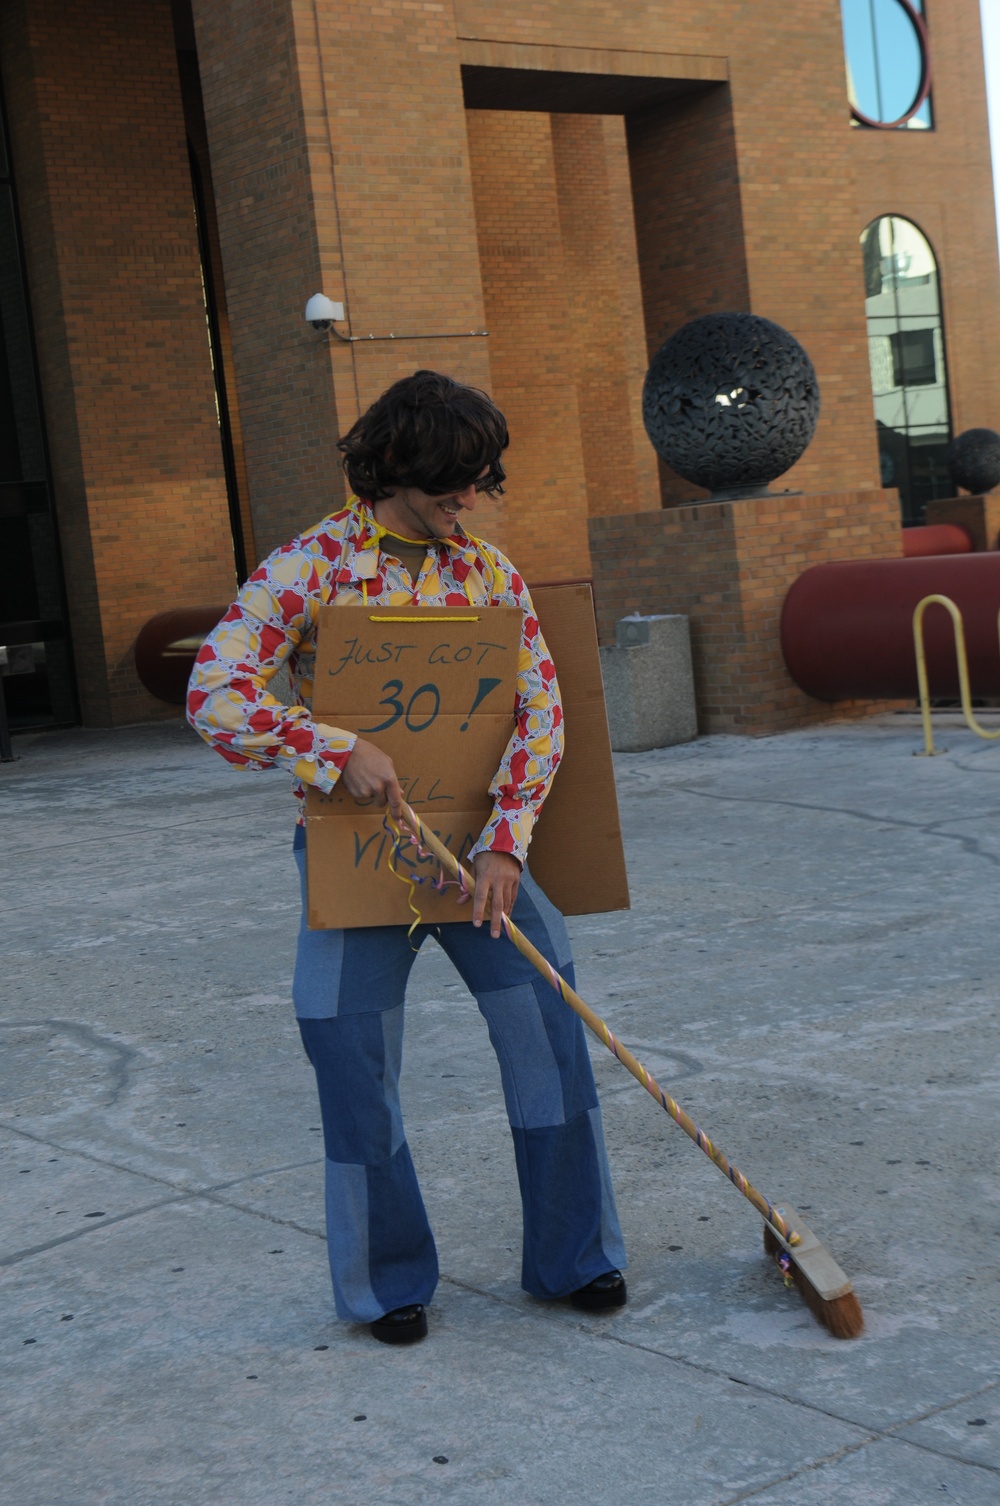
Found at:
<point>730,402</point>
<point>974,460</point>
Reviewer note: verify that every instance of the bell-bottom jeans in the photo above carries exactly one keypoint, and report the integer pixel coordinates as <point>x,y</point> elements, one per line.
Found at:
<point>348,991</point>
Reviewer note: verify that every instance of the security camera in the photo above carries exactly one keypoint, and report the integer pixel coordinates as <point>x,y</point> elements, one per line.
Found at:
<point>321,313</point>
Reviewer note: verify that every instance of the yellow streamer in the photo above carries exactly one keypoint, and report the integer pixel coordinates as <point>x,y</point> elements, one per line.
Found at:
<point>411,884</point>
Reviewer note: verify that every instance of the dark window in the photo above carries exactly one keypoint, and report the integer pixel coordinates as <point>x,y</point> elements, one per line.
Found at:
<point>913,363</point>
<point>888,63</point>
<point>907,359</point>
<point>32,607</point>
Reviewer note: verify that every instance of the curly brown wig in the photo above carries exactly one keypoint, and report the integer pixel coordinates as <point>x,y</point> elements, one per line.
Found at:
<point>429,432</point>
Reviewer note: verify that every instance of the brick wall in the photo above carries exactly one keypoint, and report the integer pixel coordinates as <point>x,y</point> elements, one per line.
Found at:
<point>689,224</point>
<point>99,150</point>
<point>194,120</point>
<point>942,180</point>
<point>728,566</point>
<point>795,156</point>
<point>567,347</point>
<point>339,157</point>
<point>253,81</point>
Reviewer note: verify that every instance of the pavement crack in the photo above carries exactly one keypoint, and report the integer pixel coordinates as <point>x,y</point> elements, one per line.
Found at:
<point>64,1239</point>
<point>105,838</point>
<point>874,1433</point>
<point>269,1218</point>
<point>715,1373</point>
<point>86,1155</point>
<point>943,1453</point>
<point>725,1374</point>
<point>120,1057</point>
<point>251,1176</point>
<point>937,1411</point>
<point>178,1194</point>
<point>796,1474</point>
<point>926,828</point>
<point>970,845</point>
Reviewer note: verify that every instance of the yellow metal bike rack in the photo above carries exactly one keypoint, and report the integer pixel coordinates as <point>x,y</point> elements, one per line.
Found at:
<point>963,670</point>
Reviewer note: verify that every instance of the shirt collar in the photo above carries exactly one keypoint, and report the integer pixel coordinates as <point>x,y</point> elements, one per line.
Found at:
<point>369,532</point>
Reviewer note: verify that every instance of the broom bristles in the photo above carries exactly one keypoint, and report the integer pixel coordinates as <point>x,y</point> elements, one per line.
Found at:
<point>841,1315</point>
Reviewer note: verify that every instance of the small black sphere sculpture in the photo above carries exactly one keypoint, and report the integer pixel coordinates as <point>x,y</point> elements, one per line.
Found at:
<point>974,460</point>
<point>730,402</point>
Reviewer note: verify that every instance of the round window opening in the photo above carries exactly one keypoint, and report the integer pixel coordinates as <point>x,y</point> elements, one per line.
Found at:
<point>888,63</point>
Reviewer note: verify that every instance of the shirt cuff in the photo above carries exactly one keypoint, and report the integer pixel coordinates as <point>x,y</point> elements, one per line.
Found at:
<point>508,830</point>
<point>333,748</point>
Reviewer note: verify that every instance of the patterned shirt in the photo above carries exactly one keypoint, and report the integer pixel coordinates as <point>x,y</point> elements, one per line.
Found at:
<point>273,622</point>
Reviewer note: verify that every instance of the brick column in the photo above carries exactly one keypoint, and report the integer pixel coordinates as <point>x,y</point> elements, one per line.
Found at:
<point>340,165</point>
<point>101,160</point>
<point>605,303</point>
<point>533,352</point>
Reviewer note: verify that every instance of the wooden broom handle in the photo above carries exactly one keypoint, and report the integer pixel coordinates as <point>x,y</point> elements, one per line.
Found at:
<point>594,1023</point>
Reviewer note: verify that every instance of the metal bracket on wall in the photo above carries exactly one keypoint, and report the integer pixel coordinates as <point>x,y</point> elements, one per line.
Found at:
<point>461,334</point>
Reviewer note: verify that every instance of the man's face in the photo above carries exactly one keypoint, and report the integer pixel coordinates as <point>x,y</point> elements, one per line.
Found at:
<point>419,515</point>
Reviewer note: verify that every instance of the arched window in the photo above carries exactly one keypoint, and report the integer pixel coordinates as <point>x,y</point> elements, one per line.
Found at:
<point>888,64</point>
<point>907,356</point>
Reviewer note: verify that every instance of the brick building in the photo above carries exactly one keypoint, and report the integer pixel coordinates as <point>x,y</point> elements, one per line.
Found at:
<point>576,177</point>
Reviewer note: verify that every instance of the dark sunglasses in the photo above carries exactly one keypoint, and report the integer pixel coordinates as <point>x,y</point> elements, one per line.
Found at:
<point>488,483</point>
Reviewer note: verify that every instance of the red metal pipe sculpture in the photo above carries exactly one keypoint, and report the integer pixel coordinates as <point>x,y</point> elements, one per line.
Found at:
<point>936,538</point>
<point>166,647</point>
<point>847,633</point>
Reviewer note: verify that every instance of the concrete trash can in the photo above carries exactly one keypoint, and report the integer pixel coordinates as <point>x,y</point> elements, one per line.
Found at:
<point>649,684</point>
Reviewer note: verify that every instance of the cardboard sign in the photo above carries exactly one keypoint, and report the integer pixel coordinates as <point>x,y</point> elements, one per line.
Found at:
<point>576,851</point>
<point>434,688</point>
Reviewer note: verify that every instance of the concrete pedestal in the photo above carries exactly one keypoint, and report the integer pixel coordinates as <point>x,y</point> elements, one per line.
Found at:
<point>727,566</point>
<point>980,515</point>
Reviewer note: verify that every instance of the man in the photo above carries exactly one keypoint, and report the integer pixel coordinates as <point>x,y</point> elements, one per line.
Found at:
<point>416,461</point>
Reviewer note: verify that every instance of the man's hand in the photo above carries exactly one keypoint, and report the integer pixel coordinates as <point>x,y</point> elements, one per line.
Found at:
<point>369,774</point>
<point>498,876</point>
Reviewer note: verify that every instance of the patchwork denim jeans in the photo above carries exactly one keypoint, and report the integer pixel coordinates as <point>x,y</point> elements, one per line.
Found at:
<point>348,990</point>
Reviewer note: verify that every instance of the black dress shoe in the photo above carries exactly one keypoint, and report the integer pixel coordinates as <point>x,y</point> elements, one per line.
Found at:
<point>602,1293</point>
<point>404,1325</point>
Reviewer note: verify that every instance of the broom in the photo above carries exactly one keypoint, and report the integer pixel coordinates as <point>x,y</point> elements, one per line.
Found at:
<point>801,1257</point>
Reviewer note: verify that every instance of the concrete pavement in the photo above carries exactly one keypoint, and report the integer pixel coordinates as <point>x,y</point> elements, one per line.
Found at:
<point>810,965</point>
